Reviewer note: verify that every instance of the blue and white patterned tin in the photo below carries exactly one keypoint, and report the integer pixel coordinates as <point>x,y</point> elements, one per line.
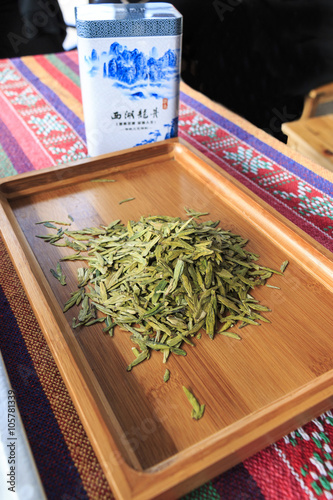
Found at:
<point>129,57</point>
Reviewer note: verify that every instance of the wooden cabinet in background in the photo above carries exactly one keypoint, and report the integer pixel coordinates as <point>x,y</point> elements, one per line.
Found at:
<point>312,137</point>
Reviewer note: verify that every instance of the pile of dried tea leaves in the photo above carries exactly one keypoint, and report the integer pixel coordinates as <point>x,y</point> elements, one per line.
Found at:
<point>163,279</point>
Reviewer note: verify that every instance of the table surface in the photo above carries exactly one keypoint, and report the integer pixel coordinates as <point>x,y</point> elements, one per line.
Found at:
<point>41,124</point>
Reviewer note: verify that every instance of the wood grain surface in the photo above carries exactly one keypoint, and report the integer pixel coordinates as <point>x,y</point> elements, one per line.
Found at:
<point>312,138</point>
<point>276,378</point>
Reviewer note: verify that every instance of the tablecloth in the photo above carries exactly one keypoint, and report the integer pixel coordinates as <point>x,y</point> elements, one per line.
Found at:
<point>42,124</point>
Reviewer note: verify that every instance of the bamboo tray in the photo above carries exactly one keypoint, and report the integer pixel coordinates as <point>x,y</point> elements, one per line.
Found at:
<point>278,377</point>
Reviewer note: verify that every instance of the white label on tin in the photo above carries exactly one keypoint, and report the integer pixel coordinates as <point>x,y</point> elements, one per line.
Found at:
<point>130,90</point>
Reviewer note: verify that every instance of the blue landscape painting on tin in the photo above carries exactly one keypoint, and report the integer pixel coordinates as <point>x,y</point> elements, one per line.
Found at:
<point>137,75</point>
<point>171,131</point>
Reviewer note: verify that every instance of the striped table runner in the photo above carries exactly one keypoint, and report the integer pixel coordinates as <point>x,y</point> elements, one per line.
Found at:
<point>41,124</point>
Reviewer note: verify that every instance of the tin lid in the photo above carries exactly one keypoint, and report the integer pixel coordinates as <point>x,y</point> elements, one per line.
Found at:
<point>127,20</point>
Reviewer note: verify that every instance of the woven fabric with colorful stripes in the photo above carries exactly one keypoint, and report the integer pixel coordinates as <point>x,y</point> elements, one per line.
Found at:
<point>41,124</point>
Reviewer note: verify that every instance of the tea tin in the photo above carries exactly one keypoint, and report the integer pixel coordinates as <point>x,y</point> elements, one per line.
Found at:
<point>129,61</point>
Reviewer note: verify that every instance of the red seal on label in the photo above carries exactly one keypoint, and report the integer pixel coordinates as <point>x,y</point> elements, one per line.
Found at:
<point>165,103</point>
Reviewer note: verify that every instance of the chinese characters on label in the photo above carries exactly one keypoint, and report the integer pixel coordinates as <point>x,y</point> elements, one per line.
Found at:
<point>135,120</point>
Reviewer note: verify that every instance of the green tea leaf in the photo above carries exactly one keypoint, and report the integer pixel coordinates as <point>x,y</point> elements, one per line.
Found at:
<point>198,410</point>
<point>126,200</point>
<point>166,375</point>
<point>284,265</point>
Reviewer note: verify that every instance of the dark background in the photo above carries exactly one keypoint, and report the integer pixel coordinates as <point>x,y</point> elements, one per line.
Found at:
<point>259,58</point>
